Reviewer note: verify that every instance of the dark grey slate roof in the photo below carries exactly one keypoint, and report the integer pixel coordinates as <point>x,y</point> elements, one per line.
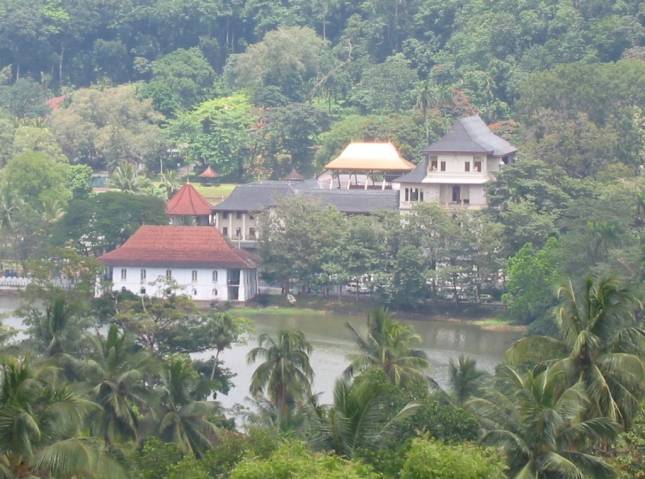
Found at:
<point>256,196</point>
<point>471,135</point>
<point>357,201</point>
<point>415,176</point>
<point>261,195</point>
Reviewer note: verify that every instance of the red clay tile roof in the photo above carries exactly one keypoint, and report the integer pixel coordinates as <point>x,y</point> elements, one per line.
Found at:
<point>294,176</point>
<point>188,202</point>
<point>209,173</point>
<point>179,246</point>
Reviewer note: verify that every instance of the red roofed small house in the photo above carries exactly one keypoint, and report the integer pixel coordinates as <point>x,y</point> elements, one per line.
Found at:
<point>197,260</point>
<point>188,207</point>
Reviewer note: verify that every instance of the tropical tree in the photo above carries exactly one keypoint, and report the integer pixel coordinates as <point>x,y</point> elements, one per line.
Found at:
<point>40,427</point>
<point>115,372</point>
<point>388,345</point>
<point>539,421</point>
<point>360,416</point>
<point>185,420</point>
<point>125,178</point>
<point>285,375</point>
<point>601,346</point>
<point>465,378</point>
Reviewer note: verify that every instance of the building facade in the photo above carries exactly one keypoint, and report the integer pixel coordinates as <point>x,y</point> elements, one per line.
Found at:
<point>195,261</point>
<point>457,167</point>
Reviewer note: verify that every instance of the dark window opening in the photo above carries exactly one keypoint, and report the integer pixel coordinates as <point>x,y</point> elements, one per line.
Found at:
<point>456,194</point>
<point>467,166</point>
<point>225,231</point>
<point>443,166</point>
<point>478,166</point>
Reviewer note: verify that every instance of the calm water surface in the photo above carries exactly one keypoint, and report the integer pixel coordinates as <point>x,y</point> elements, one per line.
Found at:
<point>332,342</point>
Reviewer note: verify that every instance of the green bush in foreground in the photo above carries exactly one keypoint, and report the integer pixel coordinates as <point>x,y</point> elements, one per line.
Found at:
<point>294,461</point>
<point>430,459</point>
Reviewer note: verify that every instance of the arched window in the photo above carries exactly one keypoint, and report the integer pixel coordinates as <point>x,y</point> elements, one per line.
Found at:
<point>194,276</point>
<point>194,292</point>
<point>214,276</point>
<point>124,274</point>
<point>214,292</point>
<point>168,274</point>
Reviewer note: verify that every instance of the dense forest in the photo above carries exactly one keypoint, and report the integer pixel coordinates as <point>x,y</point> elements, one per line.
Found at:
<point>107,387</point>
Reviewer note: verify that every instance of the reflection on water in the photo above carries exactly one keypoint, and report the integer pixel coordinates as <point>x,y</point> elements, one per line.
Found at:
<point>332,342</point>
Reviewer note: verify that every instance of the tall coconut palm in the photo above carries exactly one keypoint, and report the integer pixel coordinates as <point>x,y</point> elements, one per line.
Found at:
<point>40,424</point>
<point>465,378</point>
<point>540,423</point>
<point>601,345</point>
<point>360,416</point>
<point>185,420</point>
<point>285,375</point>
<point>388,345</point>
<point>115,373</point>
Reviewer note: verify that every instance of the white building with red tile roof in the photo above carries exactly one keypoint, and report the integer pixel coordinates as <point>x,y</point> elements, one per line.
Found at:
<point>196,260</point>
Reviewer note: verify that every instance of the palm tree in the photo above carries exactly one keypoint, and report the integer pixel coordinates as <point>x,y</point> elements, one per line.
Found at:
<point>170,182</point>
<point>116,374</point>
<point>388,346</point>
<point>184,420</point>
<point>539,422</point>
<point>601,345</point>
<point>465,378</point>
<point>40,424</point>
<point>360,416</point>
<point>125,178</point>
<point>285,375</point>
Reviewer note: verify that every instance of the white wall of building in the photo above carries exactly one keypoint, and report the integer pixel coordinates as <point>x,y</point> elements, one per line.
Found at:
<point>198,283</point>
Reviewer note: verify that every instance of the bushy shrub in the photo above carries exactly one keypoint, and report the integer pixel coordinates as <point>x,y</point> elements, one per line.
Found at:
<point>431,459</point>
<point>293,460</point>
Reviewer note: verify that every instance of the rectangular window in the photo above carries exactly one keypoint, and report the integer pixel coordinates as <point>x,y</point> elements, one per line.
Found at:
<point>238,233</point>
<point>433,165</point>
<point>225,231</point>
<point>456,194</point>
<point>467,166</point>
<point>215,278</point>
<point>168,274</point>
<point>421,196</point>
<point>252,233</point>
<point>443,166</point>
<point>143,275</point>
<point>414,194</point>
<point>478,166</point>
<point>194,276</point>
<point>124,274</point>
<point>407,194</point>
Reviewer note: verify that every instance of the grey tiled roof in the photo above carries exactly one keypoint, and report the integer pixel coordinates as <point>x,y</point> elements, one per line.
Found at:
<point>415,176</point>
<point>256,196</point>
<point>357,201</point>
<point>471,135</point>
<point>261,195</point>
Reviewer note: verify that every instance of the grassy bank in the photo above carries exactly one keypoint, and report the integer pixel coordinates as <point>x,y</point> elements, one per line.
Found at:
<point>486,316</point>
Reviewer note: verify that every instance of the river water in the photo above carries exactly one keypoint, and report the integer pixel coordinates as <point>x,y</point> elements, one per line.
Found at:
<point>442,339</point>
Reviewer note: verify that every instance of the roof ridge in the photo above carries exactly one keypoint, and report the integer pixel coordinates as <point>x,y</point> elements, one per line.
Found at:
<point>470,137</point>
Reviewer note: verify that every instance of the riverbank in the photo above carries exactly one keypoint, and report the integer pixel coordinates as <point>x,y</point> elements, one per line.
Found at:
<point>485,316</point>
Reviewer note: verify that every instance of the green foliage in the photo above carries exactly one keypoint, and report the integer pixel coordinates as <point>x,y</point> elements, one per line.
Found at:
<point>293,460</point>
<point>389,346</point>
<point>532,277</point>
<point>428,459</point>
<point>102,222</point>
<point>290,59</point>
<point>601,347</point>
<point>217,133</point>
<point>24,99</point>
<point>444,421</point>
<point>180,80</point>
<point>154,459</point>
<point>108,127</point>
